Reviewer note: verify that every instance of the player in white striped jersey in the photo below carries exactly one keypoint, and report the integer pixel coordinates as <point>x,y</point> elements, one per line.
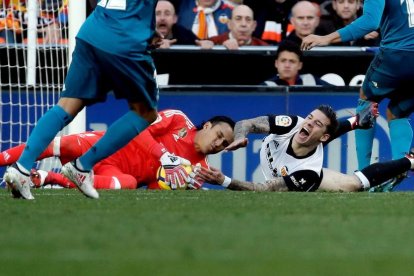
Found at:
<point>291,156</point>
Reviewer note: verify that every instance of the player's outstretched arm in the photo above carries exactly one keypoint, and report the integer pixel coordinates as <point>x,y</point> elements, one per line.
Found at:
<point>215,176</point>
<point>244,127</point>
<point>317,40</point>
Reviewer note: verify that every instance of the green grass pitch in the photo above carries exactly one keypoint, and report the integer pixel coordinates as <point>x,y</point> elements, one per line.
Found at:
<point>207,233</point>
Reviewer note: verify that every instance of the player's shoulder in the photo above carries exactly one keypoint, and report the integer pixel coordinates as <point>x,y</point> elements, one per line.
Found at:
<point>176,115</point>
<point>281,124</point>
<point>168,113</point>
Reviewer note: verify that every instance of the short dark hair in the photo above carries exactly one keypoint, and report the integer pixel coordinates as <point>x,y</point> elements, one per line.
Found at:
<point>218,119</point>
<point>289,46</point>
<point>331,114</point>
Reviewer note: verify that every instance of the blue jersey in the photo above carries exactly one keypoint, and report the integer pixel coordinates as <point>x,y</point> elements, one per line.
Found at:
<point>394,18</point>
<point>121,27</point>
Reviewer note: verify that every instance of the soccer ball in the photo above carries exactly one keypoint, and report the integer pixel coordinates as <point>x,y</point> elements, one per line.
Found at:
<point>161,178</point>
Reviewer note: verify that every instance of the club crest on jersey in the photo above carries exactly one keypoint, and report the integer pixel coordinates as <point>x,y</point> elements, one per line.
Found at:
<point>223,18</point>
<point>284,171</point>
<point>180,134</point>
<point>283,121</point>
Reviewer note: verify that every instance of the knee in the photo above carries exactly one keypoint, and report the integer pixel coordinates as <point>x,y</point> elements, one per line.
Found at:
<point>151,116</point>
<point>362,94</point>
<point>390,115</point>
<point>148,113</point>
<point>72,106</point>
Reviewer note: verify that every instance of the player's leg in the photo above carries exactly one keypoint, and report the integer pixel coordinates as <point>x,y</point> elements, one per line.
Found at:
<point>11,155</point>
<point>371,176</point>
<point>378,173</point>
<point>364,139</point>
<point>70,147</point>
<point>401,132</point>
<point>338,182</point>
<point>118,134</point>
<point>40,178</point>
<point>383,79</point>
<point>401,135</point>
<point>133,80</point>
<point>108,176</point>
<point>80,78</point>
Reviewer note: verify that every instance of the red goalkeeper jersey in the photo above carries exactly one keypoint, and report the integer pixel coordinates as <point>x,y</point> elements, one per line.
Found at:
<point>140,158</point>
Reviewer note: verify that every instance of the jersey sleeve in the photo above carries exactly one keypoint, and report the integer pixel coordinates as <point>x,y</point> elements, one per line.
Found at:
<point>167,120</point>
<point>368,22</point>
<point>303,181</point>
<point>282,124</point>
<point>344,127</point>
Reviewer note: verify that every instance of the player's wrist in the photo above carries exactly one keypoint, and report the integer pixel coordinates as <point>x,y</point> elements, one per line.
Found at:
<point>159,151</point>
<point>226,181</point>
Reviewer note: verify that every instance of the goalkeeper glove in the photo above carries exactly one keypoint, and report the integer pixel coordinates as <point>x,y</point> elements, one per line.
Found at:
<point>175,174</point>
<point>195,181</point>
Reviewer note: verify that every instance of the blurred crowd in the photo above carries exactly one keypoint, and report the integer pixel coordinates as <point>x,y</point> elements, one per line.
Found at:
<point>206,23</point>
<point>51,15</point>
<point>232,23</point>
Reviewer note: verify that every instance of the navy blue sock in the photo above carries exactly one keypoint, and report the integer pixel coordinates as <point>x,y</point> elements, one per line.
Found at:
<point>118,135</point>
<point>378,173</point>
<point>54,120</point>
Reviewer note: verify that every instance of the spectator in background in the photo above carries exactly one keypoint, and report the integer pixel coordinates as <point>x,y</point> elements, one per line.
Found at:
<point>166,20</point>
<point>241,26</point>
<point>305,19</point>
<point>206,18</point>
<point>233,3</point>
<point>342,13</point>
<point>51,21</point>
<point>288,63</point>
<point>272,18</point>
<point>11,21</point>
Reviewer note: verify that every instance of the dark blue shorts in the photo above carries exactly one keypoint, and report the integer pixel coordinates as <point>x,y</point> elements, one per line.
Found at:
<point>388,76</point>
<point>93,73</point>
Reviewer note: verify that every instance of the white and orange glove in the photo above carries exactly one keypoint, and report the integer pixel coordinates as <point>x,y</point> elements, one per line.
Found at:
<point>175,174</point>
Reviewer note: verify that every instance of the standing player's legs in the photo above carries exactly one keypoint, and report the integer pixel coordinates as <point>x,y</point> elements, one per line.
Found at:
<point>81,76</point>
<point>385,79</point>
<point>131,79</point>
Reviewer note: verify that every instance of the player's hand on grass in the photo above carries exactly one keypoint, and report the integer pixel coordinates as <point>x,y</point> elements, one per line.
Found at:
<point>236,144</point>
<point>175,174</point>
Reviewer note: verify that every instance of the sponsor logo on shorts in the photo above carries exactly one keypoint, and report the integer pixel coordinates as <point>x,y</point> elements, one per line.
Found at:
<point>297,183</point>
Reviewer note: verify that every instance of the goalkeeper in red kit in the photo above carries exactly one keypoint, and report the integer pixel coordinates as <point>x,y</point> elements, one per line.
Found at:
<point>171,138</point>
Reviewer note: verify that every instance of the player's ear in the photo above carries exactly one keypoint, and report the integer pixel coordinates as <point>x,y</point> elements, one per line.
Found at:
<point>325,137</point>
<point>207,125</point>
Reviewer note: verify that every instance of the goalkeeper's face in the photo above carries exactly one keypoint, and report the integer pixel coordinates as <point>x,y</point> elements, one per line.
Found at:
<point>213,138</point>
